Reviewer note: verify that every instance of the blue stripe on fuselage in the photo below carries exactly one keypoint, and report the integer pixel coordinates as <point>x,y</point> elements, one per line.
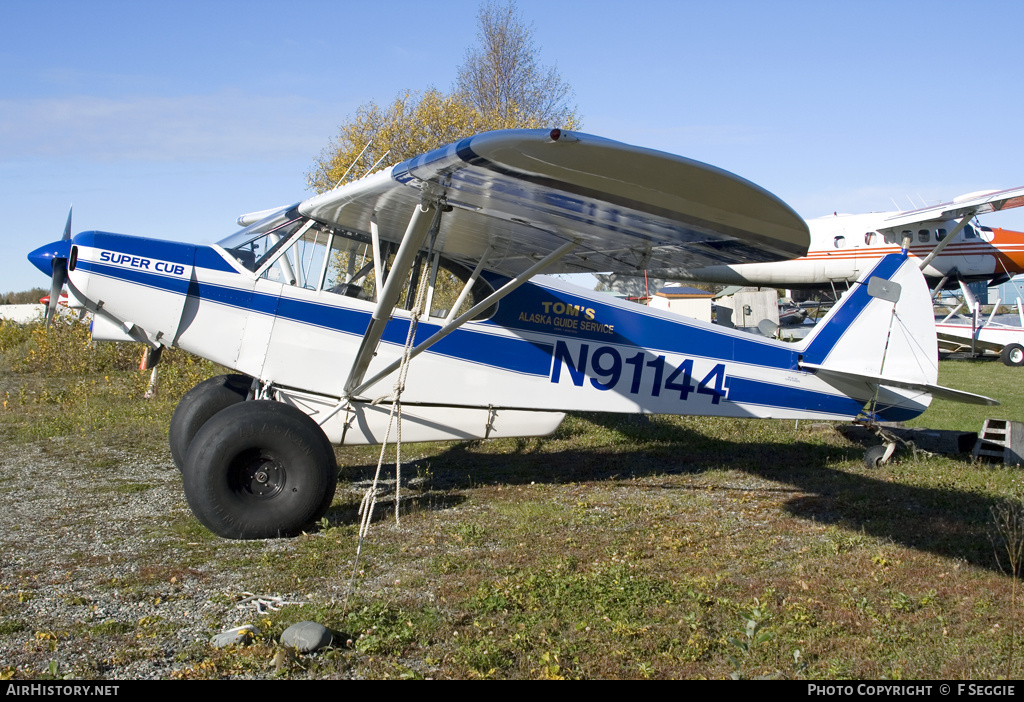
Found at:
<point>137,277</point>
<point>765,394</point>
<point>507,353</point>
<point>747,391</point>
<point>474,345</point>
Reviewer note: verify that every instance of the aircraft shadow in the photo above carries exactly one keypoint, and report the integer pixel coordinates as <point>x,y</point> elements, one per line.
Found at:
<point>950,523</point>
<point>347,512</point>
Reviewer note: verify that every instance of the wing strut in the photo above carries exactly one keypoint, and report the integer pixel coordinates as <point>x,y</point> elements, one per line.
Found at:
<point>448,328</point>
<point>378,261</point>
<point>469,284</point>
<point>952,235</point>
<point>420,224</point>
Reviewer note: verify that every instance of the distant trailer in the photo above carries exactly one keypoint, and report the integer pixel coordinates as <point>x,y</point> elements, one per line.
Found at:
<point>22,314</point>
<point>689,302</point>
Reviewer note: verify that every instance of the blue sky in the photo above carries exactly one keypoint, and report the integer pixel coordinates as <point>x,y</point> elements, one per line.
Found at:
<point>171,119</point>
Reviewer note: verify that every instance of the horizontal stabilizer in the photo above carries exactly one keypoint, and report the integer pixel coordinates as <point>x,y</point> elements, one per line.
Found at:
<point>933,390</point>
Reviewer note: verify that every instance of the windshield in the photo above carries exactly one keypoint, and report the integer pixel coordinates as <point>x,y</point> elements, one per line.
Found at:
<point>255,243</point>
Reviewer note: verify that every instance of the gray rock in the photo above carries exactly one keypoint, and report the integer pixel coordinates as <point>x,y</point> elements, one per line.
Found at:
<point>306,637</point>
<point>239,635</point>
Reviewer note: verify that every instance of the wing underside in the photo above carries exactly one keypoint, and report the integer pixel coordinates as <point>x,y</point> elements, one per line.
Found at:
<point>521,194</point>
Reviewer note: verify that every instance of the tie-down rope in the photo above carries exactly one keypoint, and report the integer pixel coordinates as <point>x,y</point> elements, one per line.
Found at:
<point>370,496</point>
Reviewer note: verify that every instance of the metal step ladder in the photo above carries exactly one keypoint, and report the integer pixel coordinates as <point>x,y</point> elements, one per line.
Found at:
<point>1000,441</point>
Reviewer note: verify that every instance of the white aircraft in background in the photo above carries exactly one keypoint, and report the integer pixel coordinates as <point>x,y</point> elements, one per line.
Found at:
<point>940,238</point>
<point>416,291</point>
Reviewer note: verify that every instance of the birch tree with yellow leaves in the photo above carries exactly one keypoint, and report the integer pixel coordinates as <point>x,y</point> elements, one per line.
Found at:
<point>501,85</point>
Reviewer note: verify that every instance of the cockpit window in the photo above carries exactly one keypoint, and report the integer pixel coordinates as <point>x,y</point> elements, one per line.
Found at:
<point>349,268</point>
<point>294,250</point>
<point>446,287</point>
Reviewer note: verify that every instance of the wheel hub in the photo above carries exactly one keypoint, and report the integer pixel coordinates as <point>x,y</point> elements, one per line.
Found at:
<point>257,474</point>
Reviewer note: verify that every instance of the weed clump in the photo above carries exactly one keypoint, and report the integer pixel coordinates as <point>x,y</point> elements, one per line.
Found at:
<point>58,382</point>
<point>1008,541</point>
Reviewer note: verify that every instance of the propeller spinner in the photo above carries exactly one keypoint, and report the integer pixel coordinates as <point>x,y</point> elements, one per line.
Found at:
<point>53,260</point>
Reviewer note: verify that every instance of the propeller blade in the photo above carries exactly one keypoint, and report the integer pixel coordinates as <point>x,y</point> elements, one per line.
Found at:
<point>60,274</point>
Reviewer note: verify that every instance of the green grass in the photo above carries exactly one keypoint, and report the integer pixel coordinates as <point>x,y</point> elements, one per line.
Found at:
<point>982,377</point>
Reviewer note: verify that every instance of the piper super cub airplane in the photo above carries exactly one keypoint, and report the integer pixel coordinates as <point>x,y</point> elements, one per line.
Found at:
<point>843,246</point>
<point>317,306</point>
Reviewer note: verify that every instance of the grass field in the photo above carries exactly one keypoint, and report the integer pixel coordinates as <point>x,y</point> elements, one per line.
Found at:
<point>620,547</point>
<point>983,377</point>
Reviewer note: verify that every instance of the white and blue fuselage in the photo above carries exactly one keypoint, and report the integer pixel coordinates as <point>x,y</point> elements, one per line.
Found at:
<point>549,347</point>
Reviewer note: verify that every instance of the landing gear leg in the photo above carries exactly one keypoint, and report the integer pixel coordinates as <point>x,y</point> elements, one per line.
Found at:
<point>877,456</point>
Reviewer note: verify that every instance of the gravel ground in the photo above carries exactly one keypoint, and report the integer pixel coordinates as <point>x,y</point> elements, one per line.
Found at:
<point>105,574</point>
<point>92,565</point>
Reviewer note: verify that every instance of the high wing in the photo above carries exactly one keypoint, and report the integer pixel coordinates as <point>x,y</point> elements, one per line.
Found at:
<point>516,196</point>
<point>969,205</point>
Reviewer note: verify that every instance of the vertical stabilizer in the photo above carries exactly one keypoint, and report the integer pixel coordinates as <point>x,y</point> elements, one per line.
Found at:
<point>883,328</point>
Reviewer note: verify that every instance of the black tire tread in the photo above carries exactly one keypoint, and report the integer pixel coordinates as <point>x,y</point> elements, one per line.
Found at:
<point>873,456</point>
<point>198,406</point>
<point>1012,355</point>
<point>283,431</point>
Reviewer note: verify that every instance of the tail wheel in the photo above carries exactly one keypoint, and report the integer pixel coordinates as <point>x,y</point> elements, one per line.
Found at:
<point>876,456</point>
<point>200,404</point>
<point>259,470</point>
<point>1012,355</point>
